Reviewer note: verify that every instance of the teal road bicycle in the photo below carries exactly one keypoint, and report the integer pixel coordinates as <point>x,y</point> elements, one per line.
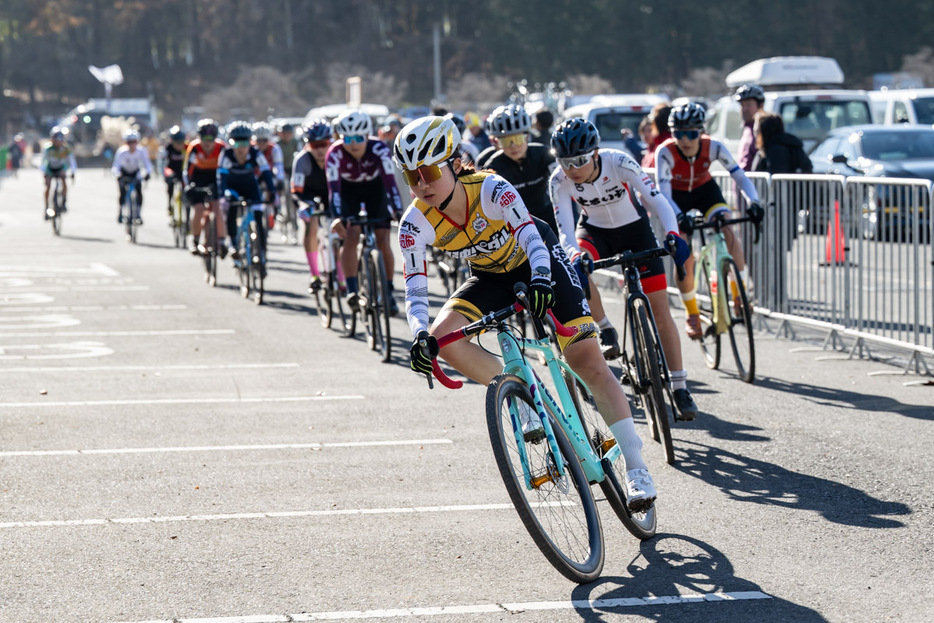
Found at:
<point>549,478</point>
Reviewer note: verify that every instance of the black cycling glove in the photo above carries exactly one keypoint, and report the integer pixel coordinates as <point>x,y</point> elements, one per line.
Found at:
<point>420,360</point>
<point>541,295</point>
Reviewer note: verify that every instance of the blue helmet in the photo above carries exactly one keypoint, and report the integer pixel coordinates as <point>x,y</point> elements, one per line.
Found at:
<point>574,137</point>
<point>317,130</point>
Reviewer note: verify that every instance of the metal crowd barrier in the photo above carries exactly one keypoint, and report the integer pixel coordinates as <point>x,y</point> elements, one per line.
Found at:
<point>852,256</point>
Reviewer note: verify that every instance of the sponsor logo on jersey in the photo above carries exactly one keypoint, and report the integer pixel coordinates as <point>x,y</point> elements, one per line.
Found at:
<point>507,198</point>
<point>406,241</point>
<point>479,224</point>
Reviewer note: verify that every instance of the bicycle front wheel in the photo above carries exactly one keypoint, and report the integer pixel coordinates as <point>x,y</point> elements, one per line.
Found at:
<point>257,261</point>
<point>710,340</point>
<point>640,525</point>
<point>379,286</point>
<point>653,398</point>
<point>558,510</point>
<point>741,339</point>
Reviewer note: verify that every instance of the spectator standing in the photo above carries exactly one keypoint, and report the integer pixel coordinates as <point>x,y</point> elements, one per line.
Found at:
<point>659,132</point>
<point>751,97</point>
<point>778,151</point>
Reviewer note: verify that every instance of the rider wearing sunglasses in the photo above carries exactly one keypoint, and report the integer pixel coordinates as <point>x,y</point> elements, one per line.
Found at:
<point>613,193</point>
<point>683,171</point>
<point>361,176</point>
<point>525,165</point>
<point>481,218</point>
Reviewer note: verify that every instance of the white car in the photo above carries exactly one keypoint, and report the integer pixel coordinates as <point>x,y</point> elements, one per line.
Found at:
<point>613,113</point>
<point>903,106</point>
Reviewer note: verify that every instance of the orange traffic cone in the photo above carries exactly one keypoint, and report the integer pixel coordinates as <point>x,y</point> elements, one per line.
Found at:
<point>836,243</point>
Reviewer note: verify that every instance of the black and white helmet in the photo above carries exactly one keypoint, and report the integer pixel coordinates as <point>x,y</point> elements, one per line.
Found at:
<point>509,119</point>
<point>749,92</point>
<point>687,117</point>
<point>354,122</point>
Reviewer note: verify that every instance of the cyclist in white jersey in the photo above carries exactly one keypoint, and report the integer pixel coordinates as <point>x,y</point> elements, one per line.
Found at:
<point>610,188</point>
<point>130,163</point>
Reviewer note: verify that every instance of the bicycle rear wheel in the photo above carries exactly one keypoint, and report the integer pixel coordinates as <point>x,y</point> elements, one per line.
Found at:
<point>710,341</point>
<point>57,212</point>
<point>379,286</point>
<point>741,338</point>
<point>558,511</point>
<point>640,525</point>
<point>210,257</point>
<point>653,396</point>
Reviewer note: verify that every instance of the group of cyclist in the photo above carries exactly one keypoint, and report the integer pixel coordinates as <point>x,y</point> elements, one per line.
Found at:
<point>518,211</point>
<point>511,214</point>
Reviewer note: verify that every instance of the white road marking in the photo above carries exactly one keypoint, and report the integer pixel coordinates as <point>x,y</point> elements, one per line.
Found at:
<point>405,510</point>
<point>284,446</point>
<point>174,401</point>
<point>92,288</point>
<point>92,308</point>
<point>95,268</point>
<point>17,298</point>
<point>57,369</point>
<point>119,333</point>
<point>40,321</point>
<point>503,608</point>
<point>71,350</point>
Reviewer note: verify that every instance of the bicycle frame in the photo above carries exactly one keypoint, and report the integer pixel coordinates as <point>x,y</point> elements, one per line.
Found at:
<point>250,211</point>
<point>714,253</point>
<point>634,292</point>
<point>512,350</point>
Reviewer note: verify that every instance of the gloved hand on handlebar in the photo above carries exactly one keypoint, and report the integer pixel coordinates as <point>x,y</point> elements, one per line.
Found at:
<point>421,360</point>
<point>686,224</point>
<point>541,295</point>
<point>755,212</point>
<point>584,266</point>
<point>679,249</point>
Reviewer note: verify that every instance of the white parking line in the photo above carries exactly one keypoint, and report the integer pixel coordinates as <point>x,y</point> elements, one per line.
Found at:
<point>284,446</point>
<point>583,605</point>
<point>224,366</point>
<point>174,401</point>
<point>93,308</point>
<point>119,333</point>
<point>60,523</point>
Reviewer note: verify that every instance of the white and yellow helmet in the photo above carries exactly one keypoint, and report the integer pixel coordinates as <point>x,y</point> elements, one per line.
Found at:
<point>428,140</point>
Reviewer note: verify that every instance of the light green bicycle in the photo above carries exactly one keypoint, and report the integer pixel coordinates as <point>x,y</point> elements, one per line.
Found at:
<point>548,478</point>
<point>722,299</point>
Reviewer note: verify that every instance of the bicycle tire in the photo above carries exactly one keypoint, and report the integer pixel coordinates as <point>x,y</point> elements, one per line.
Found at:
<point>742,342</point>
<point>244,263</point>
<point>562,516</point>
<point>381,286</point>
<point>653,397</point>
<point>710,339</point>
<point>257,261</point>
<point>368,286</point>
<point>324,300</point>
<point>640,525</point>
<point>211,258</point>
<point>57,202</point>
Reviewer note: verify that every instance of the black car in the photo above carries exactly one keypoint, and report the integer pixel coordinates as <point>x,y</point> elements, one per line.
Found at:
<point>896,151</point>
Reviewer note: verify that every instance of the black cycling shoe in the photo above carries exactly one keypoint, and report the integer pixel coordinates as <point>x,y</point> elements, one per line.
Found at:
<point>687,408</point>
<point>609,343</point>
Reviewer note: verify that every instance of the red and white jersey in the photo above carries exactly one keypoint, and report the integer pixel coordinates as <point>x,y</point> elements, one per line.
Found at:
<point>674,171</point>
<point>608,201</point>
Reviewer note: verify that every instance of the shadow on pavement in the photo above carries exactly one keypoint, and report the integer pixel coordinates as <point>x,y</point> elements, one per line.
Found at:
<point>830,397</point>
<point>749,480</point>
<point>87,239</point>
<point>671,565</point>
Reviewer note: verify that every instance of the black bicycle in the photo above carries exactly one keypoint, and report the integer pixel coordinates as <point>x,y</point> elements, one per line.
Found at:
<point>645,369</point>
<point>209,250</point>
<point>129,209</point>
<point>328,294</point>
<point>373,296</point>
<point>53,210</point>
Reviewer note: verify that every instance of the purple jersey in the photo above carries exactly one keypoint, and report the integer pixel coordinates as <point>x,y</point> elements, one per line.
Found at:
<point>344,172</point>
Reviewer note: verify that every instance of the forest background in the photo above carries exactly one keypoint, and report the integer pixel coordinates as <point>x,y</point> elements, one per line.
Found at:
<point>284,56</point>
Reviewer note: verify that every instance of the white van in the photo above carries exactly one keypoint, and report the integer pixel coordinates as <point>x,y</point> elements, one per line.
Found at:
<point>890,106</point>
<point>378,112</point>
<point>613,113</point>
<point>808,113</point>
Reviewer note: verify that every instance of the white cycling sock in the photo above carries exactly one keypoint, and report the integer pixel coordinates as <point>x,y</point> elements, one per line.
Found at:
<point>630,444</point>
<point>679,379</point>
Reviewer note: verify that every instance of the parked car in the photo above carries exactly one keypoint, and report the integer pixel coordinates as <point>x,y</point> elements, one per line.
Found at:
<point>804,90</point>
<point>613,113</point>
<point>892,106</point>
<point>898,151</point>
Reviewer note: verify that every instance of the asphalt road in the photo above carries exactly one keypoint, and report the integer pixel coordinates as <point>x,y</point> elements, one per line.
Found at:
<point>169,451</point>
